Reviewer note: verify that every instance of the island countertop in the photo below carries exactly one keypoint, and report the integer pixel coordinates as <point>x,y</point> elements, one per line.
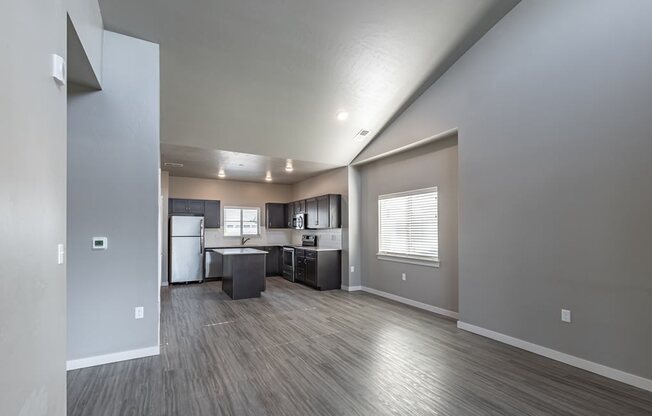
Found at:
<point>237,251</point>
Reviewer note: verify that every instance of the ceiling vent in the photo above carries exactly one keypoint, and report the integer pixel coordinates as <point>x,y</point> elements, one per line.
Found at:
<point>361,136</point>
<point>173,165</point>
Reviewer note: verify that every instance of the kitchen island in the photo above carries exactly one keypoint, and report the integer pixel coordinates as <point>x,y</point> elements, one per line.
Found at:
<point>243,272</point>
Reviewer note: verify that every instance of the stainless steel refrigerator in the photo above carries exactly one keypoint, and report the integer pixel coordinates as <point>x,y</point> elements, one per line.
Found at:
<point>186,249</point>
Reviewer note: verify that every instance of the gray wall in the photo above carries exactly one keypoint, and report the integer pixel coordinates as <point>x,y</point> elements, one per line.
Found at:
<point>113,191</point>
<point>553,109</point>
<point>431,165</point>
<point>86,18</point>
<point>33,210</point>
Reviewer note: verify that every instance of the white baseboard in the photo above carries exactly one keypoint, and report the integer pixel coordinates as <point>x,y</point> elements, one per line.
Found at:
<point>112,358</point>
<point>420,305</point>
<point>351,288</point>
<point>603,370</point>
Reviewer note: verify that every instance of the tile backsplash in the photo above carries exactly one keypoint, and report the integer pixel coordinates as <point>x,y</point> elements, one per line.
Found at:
<point>214,237</point>
<point>331,238</point>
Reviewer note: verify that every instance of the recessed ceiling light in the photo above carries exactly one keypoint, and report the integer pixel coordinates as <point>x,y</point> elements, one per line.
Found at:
<point>221,173</point>
<point>342,115</point>
<point>288,166</point>
<point>173,164</point>
<point>268,178</point>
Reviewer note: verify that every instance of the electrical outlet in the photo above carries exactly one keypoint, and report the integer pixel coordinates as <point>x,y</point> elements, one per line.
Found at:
<point>139,313</point>
<point>565,315</point>
<point>403,277</point>
<point>352,269</point>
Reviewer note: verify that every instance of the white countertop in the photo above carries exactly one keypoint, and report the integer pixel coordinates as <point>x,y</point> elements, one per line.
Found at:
<point>237,251</point>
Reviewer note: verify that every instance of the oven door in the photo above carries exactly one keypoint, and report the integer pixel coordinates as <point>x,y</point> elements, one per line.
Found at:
<point>288,263</point>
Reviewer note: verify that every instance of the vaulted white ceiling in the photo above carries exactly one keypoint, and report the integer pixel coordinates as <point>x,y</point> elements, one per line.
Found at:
<point>267,77</point>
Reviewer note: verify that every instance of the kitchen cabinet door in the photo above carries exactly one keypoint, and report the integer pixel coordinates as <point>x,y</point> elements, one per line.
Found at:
<point>335,208</point>
<point>275,215</point>
<point>289,214</point>
<point>212,214</point>
<point>312,211</point>
<point>271,261</point>
<point>323,212</point>
<point>310,271</point>
<point>195,207</point>
<point>299,207</point>
<point>178,206</point>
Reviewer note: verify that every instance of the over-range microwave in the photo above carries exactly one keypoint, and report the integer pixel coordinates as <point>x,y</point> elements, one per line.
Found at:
<point>299,222</point>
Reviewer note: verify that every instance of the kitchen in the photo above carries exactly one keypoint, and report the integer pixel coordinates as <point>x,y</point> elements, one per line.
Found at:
<point>295,221</point>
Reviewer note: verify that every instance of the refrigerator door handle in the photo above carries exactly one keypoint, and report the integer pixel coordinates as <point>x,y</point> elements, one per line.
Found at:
<point>201,237</point>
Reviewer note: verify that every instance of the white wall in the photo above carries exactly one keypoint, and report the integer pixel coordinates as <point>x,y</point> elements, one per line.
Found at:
<point>33,210</point>
<point>553,110</point>
<point>113,191</point>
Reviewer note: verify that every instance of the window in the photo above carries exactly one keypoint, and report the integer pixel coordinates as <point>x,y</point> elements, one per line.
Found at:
<point>239,222</point>
<point>408,227</point>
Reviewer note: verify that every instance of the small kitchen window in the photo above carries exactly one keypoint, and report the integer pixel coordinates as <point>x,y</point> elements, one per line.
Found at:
<point>241,221</point>
<point>408,227</point>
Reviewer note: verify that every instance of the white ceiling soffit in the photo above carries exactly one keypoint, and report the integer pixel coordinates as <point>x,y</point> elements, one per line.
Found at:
<point>268,76</point>
<point>203,163</point>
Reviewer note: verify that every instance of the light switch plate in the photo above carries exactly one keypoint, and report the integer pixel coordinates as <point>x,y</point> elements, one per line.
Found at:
<point>60,253</point>
<point>566,315</point>
<point>139,312</point>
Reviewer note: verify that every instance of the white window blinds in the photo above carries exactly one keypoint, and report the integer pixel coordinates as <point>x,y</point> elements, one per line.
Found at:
<point>408,225</point>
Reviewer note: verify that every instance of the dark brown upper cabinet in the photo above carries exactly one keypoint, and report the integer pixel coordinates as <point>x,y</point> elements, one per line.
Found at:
<point>275,215</point>
<point>209,209</point>
<point>311,211</point>
<point>212,214</point>
<point>322,212</point>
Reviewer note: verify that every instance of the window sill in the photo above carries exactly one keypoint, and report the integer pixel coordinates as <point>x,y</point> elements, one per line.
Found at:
<point>407,259</point>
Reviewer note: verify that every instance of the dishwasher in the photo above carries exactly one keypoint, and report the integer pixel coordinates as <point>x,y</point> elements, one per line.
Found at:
<point>213,265</point>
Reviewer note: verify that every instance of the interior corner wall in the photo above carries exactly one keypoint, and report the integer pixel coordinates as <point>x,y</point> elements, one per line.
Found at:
<point>552,106</point>
<point>434,164</point>
<point>113,192</point>
<point>351,238</point>
<point>33,210</point>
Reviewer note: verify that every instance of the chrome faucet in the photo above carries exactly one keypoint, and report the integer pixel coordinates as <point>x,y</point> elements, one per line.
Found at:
<point>244,240</point>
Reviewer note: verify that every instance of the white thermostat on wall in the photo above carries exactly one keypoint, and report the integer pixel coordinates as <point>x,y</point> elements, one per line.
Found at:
<point>99,243</point>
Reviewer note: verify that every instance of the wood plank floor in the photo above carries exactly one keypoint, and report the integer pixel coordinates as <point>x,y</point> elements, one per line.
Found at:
<point>297,351</point>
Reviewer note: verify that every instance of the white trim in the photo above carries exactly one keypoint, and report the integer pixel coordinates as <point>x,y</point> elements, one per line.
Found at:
<point>603,370</point>
<point>351,288</point>
<point>407,147</point>
<point>416,304</point>
<point>112,358</point>
<point>420,191</point>
<point>407,259</point>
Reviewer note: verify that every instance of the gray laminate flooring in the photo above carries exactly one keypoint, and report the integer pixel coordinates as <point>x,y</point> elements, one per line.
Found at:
<point>297,351</point>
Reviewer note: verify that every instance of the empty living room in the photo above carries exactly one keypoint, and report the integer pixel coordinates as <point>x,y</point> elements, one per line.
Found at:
<point>326,208</point>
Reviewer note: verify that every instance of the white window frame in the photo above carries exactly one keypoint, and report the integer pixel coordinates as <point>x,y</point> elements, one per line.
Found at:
<point>409,258</point>
<point>241,222</point>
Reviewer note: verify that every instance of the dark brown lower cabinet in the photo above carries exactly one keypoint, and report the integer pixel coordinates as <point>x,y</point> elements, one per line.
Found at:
<point>319,269</point>
<point>273,260</point>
